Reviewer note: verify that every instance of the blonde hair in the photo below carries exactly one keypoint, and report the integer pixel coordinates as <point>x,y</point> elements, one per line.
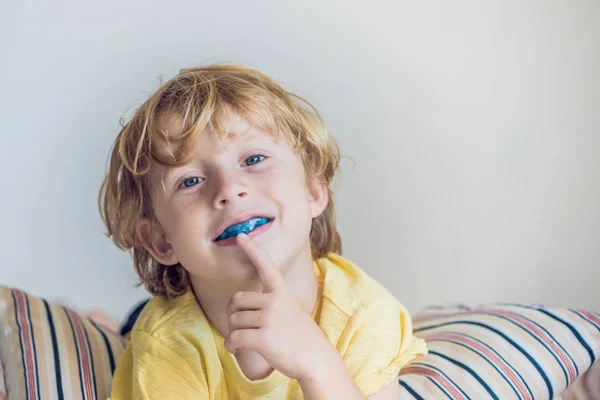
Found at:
<point>201,98</point>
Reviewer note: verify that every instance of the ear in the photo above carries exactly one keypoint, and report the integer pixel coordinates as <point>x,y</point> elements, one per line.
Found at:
<point>155,240</point>
<point>318,196</point>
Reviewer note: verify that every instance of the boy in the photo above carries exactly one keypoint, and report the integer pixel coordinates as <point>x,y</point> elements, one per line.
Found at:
<point>219,185</point>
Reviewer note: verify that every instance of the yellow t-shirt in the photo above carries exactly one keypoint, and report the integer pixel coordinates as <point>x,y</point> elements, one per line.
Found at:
<point>176,353</point>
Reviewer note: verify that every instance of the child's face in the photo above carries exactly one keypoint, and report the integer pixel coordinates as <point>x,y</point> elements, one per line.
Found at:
<point>250,177</point>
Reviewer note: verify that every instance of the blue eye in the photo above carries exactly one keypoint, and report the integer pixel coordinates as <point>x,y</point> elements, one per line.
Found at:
<point>189,182</point>
<point>255,159</point>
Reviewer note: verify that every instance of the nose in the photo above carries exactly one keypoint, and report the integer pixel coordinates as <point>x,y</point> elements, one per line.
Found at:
<point>229,189</point>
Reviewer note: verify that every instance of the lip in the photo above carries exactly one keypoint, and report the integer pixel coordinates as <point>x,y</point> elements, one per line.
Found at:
<point>240,218</point>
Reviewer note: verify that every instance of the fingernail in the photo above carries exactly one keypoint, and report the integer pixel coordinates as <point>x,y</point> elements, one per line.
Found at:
<point>243,236</point>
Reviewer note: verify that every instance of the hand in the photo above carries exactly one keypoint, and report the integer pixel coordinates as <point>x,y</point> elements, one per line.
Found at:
<point>273,323</point>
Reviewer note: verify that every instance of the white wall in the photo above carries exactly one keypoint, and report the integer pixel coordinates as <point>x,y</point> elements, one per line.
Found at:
<point>474,127</point>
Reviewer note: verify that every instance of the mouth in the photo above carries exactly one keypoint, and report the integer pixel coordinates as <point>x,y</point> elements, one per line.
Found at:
<point>246,227</point>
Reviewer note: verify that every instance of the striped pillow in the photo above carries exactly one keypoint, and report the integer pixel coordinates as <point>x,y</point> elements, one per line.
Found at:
<point>49,352</point>
<point>501,352</point>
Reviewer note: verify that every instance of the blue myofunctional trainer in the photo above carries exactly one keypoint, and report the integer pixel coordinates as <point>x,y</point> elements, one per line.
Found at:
<point>243,227</point>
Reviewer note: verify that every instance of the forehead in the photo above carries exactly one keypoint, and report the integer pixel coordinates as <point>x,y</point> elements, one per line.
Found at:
<point>230,128</point>
<point>174,147</point>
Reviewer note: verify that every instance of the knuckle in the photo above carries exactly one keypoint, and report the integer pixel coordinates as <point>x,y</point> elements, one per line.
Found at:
<point>238,297</point>
<point>235,302</point>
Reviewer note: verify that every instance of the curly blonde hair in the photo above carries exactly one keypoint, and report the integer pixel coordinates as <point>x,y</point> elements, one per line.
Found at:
<point>201,97</point>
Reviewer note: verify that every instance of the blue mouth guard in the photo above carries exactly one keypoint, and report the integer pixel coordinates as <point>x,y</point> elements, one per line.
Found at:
<point>243,227</point>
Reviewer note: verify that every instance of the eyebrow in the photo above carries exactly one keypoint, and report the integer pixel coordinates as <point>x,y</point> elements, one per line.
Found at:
<point>249,134</point>
<point>167,176</point>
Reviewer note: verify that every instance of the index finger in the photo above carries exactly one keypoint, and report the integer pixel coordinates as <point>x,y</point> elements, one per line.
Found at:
<point>270,276</point>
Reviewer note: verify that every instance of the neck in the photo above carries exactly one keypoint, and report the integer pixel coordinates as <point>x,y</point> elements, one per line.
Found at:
<point>299,277</point>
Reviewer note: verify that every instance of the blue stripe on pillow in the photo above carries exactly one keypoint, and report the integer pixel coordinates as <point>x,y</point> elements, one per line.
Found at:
<point>59,388</point>
<point>411,391</point>
<point>111,356</point>
<point>37,381</point>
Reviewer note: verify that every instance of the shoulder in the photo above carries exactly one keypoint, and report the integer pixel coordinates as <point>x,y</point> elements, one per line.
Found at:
<point>352,290</point>
<point>176,324</point>
<point>372,313</point>
<point>163,314</point>
<point>173,337</point>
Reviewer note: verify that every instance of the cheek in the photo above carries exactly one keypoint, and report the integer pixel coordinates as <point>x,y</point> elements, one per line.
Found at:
<point>183,223</point>
<point>289,189</point>
<point>190,242</point>
<point>292,197</point>
<point>291,179</point>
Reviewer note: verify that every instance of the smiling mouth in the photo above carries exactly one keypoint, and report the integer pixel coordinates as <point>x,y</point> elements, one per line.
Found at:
<point>243,227</point>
